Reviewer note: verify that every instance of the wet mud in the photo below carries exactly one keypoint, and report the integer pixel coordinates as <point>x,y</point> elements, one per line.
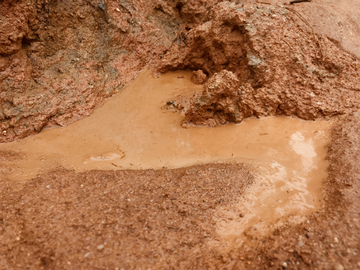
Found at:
<point>278,164</point>
<point>287,156</point>
<point>202,158</point>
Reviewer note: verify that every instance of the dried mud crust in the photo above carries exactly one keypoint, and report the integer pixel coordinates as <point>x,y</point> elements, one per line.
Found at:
<point>264,60</point>
<point>117,219</point>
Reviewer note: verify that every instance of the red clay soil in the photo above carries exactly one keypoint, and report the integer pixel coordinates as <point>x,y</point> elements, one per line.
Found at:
<point>264,60</point>
<point>338,20</point>
<point>165,219</point>
<point>61,59</point>
<point>117,219</point>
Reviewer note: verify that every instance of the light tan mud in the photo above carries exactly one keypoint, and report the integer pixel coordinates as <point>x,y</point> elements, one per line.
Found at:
<point>132,131</point>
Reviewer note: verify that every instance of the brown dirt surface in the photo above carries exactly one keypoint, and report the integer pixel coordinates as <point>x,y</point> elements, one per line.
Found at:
<point>61,59</point>
<point>338,20</point>
<point>117,219</point>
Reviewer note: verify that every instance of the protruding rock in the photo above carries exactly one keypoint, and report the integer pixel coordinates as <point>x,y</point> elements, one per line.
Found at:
<point>218,103</point>
<point>198,77</point>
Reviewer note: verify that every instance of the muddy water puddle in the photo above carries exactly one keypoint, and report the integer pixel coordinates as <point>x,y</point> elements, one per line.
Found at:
<point>131,131</point>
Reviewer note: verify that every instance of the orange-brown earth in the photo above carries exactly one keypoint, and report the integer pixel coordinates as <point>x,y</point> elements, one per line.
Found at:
<point>61,59</point>
<point>264,60</point>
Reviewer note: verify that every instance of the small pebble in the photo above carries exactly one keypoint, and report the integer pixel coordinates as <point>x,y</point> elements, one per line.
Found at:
<point>101,6</point>
<point>100,247</point>
<point>241,215</point>
<point>284,264</point>
<point>338,266</point>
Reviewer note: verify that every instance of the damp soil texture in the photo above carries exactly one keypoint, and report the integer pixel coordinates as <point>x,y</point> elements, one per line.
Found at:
<point>179,134</point>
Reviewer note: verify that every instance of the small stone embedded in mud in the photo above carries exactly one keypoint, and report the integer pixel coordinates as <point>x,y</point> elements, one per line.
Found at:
<point>338,266</point>
<point>171,102</point>
<point>102,7</point>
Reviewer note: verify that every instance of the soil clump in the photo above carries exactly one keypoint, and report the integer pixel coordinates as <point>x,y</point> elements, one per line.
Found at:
<point>60,60</point>
<point>262,62</point>
<point>198,77</point>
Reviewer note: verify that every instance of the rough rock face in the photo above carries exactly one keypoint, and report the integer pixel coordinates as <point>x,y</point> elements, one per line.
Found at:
<point>281,66</point>
<point>61,59</point>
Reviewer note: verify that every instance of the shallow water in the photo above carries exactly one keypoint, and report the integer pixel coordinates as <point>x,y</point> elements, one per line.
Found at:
<point>131,131</point>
